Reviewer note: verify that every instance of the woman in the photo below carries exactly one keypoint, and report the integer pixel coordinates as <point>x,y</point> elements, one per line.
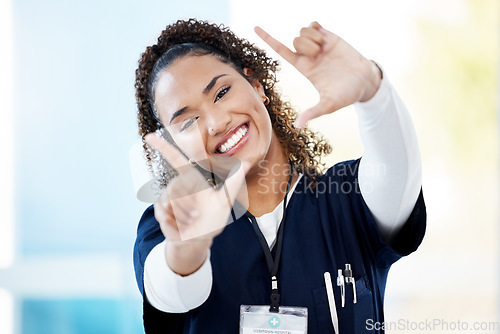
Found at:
<point>213,98</point>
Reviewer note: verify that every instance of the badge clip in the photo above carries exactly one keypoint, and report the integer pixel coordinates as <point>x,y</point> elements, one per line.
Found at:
<point>275,296</point>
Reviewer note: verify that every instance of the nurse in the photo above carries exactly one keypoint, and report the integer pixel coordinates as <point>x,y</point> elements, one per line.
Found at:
<point>212,97</point>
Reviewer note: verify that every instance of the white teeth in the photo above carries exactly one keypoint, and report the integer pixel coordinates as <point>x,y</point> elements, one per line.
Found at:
<point>233,140</point>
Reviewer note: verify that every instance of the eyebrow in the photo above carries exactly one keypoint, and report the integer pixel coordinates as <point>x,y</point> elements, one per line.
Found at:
<point>207,89</point>
<point>211,84</point>
<point>177,114</point>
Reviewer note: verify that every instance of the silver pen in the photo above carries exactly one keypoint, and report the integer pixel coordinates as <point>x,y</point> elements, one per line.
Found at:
<point>349,279</point>
<point>341,283</point>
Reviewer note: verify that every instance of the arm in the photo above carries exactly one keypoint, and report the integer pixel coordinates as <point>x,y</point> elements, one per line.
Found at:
<point>171,292</point>
<point>390,174</point>
<point>342,76</point>
<point>177,272</point>
<point>164,289</point>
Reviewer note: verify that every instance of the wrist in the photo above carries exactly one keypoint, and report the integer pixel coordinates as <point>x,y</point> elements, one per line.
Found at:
<point>185,258</point>
<point>373,82</point>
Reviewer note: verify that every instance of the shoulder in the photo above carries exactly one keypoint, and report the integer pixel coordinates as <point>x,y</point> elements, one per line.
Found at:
<point>147,217</point>
<point>339,179</point>
<point>348,168</point>
<point>338,175</point>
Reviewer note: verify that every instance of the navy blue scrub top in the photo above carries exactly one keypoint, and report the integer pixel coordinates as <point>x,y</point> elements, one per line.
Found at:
<point>326,227</point>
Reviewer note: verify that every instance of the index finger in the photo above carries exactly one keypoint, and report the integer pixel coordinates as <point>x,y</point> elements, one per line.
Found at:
<point>167,150</point>
<point>276,45</point>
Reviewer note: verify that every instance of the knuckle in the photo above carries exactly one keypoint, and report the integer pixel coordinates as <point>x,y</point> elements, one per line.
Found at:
<point>315,48</point>
<point>158,207</point>
<point>160,216</point>
<point>297,42</point>
<point>169,224</point>
<point>163,196</point>
<point>161,205</point>
<point>307,48</point>
<point>170,190</point>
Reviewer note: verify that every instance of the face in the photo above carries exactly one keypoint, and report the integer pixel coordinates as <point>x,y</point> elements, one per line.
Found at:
<point>211,110</point>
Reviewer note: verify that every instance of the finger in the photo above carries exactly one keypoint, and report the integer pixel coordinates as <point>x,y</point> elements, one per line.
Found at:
<point>162,207</point>
<point>173,215</point>
<point>161,212</point>
<point>312,34</point>
<point>306,47</point>
<point>215,209</point>
<point>329,38</point>
<point>182,202</point>
<point>167,222</point>
<point>325,106</point>
<point>277,46</point>
<point>184,213</point>
<point>189,181</point>
<point>167,150</point>
<point>315,25</point>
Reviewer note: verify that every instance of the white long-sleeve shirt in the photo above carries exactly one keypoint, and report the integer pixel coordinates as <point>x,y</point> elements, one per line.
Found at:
<point>389,177</point>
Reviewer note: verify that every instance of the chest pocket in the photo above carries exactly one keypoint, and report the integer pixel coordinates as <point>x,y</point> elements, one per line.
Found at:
<point>353,317</point>
<point>363,311</point>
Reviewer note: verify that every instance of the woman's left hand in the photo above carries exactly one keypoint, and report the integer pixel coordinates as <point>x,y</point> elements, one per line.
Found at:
<point>340,74</point>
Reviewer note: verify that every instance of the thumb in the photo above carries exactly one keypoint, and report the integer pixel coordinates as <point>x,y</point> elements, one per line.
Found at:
<point>324,106</point>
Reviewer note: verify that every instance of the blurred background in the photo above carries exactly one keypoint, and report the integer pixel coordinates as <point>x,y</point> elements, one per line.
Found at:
<point>68,209</point>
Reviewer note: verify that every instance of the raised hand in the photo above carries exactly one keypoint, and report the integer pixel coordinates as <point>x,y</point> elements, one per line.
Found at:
<point>191,212</point>
<point>340,74</point>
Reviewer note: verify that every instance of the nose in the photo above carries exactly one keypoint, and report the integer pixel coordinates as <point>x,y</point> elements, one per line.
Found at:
<point>217,122</point>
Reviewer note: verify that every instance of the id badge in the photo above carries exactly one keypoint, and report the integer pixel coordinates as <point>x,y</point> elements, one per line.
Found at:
<point>256,319</point>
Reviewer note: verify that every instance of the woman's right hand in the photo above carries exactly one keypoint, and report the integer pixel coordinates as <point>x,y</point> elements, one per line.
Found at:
<point>190,212</point>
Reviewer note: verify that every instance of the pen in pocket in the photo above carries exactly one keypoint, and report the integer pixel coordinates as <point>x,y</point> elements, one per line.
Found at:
<point>331,301</point>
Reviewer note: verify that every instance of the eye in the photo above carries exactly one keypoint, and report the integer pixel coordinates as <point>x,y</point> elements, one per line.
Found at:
<point>188,123</point>
<point>221,93</point>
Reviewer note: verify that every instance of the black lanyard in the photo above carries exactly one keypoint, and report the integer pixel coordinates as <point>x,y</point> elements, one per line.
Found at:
<point>273,264</point>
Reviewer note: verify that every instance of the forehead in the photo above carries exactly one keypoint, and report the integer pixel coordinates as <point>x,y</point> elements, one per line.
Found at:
<point>190,73</point>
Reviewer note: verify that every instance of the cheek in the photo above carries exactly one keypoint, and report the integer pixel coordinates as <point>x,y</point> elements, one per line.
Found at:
<point>263,123</point>
<point>257,109</point>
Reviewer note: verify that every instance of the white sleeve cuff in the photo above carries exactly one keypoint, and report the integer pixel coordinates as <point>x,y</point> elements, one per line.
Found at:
<point>173,293</point>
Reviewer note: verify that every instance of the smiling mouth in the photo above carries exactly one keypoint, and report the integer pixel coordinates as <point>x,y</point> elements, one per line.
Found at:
<point>234,139</point>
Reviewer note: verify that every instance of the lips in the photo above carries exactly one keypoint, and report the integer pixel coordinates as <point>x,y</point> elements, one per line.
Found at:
<point>232,139</point>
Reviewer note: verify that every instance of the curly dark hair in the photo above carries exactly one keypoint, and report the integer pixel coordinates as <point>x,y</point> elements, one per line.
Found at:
<point>303,147</point>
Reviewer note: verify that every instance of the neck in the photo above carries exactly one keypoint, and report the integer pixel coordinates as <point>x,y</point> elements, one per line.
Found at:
<point>267,183</point>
